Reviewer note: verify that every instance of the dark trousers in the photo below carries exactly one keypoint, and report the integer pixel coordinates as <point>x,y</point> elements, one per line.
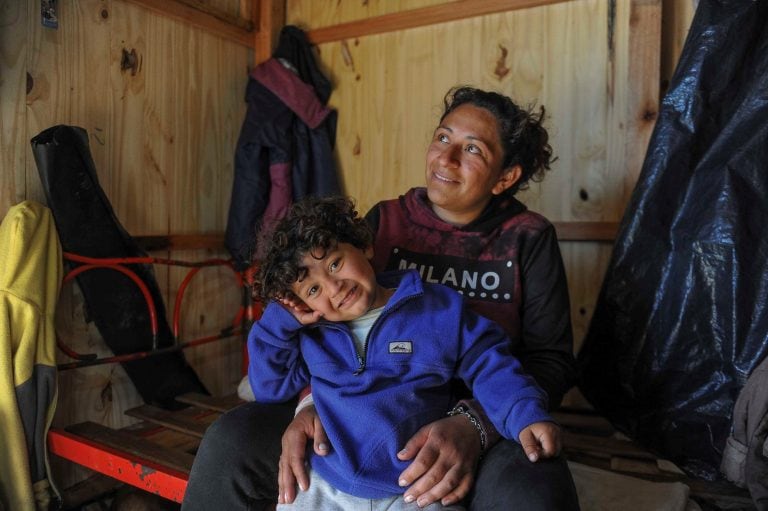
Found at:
<point>236,469</point>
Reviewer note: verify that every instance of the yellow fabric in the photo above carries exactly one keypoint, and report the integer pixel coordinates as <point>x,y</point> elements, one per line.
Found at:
<point>30,279</point>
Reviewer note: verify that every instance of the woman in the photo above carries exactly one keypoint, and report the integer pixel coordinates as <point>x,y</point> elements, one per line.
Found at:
<point>466,230</point>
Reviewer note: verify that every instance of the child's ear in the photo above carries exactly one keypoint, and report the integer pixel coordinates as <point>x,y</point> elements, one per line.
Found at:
<point>368,252</point>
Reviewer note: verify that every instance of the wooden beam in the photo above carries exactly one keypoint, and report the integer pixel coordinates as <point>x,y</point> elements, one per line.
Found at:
<point>430,15</point>
<point>269,17</point>
<point>203,16</point>
<point>566,231</point>
<point>586,231</point>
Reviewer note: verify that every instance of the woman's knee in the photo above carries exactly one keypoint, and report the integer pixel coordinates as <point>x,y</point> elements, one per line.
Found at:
<point>506,475</point>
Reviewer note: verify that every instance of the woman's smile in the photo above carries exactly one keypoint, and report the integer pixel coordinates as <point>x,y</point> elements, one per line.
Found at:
<point>439,177</point>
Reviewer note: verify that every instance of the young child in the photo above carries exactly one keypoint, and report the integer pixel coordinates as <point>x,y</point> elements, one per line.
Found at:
<point>379,354</point>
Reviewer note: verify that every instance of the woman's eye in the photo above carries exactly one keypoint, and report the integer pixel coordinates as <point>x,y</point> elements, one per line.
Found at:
<point>472,148</point>
<point>442,138</point>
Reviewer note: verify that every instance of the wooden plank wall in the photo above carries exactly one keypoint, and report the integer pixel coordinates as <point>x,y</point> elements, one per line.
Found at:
<point>162,137</point>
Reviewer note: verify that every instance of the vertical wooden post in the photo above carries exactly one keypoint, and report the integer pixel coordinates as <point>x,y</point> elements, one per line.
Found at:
<point>268,18</point>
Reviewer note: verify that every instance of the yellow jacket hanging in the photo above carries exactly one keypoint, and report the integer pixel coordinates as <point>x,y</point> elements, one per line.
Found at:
<point>30,279</point>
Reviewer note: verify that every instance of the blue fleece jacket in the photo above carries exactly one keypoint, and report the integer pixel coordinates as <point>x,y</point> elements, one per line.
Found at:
<point>370,406</point>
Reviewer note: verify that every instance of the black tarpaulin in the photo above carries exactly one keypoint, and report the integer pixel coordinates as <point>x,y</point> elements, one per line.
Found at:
<point>681,320</point>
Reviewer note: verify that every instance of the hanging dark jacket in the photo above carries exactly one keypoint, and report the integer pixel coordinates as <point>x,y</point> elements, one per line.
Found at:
<point>285,149</point>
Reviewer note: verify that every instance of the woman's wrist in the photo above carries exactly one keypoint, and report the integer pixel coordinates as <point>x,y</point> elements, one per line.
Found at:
<point>463,409</point>
<point>304,403</point>
<point>492,435</point>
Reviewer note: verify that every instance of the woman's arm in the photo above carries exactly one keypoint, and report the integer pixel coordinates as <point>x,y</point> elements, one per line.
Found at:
<point>547,339</point>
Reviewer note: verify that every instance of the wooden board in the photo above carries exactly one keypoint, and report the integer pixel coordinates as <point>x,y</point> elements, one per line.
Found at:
<point>14,47</point>
<point>590,440</point>
<point>167,440</point>
<point>117,439</point>
<point>162,137</point>
<point>194,422</point>
<point>219,404</point>
<point>155,454</point>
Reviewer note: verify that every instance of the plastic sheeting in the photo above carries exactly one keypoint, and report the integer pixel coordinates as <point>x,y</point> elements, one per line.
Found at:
<point>681,320</point>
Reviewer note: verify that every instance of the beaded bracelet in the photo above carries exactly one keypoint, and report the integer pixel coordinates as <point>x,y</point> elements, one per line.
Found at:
<point>461,409</point>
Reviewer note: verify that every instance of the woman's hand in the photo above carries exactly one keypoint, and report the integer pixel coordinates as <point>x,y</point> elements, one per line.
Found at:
<point>444,455</point>
<point>292,466</point>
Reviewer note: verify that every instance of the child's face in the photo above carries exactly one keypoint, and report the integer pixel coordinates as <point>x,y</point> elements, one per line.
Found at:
<point>342,285</point>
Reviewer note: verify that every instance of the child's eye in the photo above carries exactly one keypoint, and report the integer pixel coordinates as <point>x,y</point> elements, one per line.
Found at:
<point>312,291</point>
<point>334,265</point>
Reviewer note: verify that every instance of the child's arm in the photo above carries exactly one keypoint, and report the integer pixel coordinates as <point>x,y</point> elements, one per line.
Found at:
<point>276,369</point>
<point>511,399</point>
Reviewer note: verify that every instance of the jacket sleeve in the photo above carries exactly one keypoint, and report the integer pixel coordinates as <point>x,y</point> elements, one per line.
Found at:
<point>251,184</point>
<point>547,340</point>
<point>510,398</point>
<point>276,370</point>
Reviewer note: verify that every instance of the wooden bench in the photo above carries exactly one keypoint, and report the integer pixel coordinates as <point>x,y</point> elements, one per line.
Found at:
<point>591,440</point>
<point>156,454</point>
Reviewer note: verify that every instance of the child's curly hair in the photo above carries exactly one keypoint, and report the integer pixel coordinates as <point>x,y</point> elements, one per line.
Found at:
<point>311,226</point>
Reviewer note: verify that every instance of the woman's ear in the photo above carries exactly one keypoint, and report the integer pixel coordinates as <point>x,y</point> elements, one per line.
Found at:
<point>509,177</point>
<point>368,252</point>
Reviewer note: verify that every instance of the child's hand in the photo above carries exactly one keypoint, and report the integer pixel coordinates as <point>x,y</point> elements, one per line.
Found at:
<point>300,310</point>
<point>541,440</point>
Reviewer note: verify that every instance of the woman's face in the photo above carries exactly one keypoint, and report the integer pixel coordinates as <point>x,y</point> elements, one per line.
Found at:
<point>464,165</point>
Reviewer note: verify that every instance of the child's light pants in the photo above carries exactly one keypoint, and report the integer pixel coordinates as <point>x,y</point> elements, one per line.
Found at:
<point>322,495</point>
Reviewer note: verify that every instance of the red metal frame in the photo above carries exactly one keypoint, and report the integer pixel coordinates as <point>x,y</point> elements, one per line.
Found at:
<point>117,264</point>
<point>128,468</point>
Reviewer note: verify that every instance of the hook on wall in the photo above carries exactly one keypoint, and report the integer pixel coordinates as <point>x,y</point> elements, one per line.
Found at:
<point>48,14</point>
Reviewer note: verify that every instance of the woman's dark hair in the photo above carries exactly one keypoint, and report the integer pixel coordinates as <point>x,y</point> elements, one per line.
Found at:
<point>311,226</point>
<point>523,137</point>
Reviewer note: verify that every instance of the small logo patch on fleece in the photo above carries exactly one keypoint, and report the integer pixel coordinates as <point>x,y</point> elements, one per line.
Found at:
<point>401,347</point>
